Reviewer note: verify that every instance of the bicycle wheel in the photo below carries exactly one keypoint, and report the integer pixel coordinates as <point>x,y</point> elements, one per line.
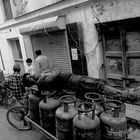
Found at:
<point>16,118</point>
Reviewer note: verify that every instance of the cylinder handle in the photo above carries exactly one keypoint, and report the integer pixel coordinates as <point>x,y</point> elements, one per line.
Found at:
<point>93,96</point>
<point>86,107</point>
<point>115,106</point>
<point>47,94</point>
<point>67,99</point>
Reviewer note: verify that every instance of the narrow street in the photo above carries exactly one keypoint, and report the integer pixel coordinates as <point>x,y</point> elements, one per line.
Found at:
<point>7,132</point>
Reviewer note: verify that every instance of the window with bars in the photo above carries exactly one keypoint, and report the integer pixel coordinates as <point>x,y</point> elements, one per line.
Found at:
<point>121,49</point>
<point>17,54</point>
<point>16,49</point>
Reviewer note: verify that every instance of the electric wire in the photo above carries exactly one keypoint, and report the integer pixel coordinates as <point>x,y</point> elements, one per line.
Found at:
<point>72,37</point>
<point>48,33</point>
<point>83,53</point>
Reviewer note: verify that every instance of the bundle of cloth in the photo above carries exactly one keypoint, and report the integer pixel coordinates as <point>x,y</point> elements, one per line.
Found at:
<point>58,80</point>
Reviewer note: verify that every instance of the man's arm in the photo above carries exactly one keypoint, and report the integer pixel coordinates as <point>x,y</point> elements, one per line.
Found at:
<point>37,69</point>
<point>50,64</point>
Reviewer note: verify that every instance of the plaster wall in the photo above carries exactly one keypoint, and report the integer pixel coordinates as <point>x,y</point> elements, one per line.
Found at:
<point>6,50</point>
<point>87,15</point>
<point>1,12</point>
<point>7,56</point>
<point>100,11</point>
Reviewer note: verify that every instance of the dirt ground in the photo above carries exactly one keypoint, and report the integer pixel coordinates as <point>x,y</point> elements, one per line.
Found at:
<point>7,132</point>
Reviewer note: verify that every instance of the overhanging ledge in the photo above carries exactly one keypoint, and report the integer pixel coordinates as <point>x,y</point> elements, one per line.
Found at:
<point>57,22</point>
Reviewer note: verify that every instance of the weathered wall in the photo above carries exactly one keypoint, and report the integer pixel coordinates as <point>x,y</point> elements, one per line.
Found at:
<point>6,50</point>
<point>110,10</point>
<point>7,55</point>
<point>84,15</point>
<point>1,13</point>
<point>100,11</point>
<point>104,10</point>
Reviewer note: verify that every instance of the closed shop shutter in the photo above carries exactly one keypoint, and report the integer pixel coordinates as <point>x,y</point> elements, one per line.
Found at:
<point>53,45</point>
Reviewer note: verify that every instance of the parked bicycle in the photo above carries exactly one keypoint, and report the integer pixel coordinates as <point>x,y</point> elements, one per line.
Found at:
<point>16,115</point>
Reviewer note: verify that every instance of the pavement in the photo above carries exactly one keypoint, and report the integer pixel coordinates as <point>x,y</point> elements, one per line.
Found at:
<point>135,135</point>
<point>7,132</point>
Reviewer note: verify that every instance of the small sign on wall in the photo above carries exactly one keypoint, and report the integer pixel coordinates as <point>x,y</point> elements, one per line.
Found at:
<point>113,63</point>
<point>74,54</point>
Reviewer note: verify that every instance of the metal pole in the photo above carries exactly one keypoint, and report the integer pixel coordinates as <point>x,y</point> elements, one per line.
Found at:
<point>38,127</point>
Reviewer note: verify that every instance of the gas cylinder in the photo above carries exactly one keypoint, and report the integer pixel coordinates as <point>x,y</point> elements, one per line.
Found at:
<point>95,98</point>
<point>34,105</point>
<point>64,117</point>
<point>86,124</point>
<point>113,121</point>
<point>47,108</point>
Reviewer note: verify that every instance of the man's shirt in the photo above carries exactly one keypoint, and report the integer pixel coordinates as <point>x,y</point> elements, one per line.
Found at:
<point>30,70</point>
<point>16,85</point>
<point>42,63</point>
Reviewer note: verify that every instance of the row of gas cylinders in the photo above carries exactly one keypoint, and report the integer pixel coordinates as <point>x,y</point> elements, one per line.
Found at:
<point>69,119</point>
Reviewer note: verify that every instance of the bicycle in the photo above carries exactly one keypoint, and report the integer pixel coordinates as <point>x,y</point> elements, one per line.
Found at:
<point>20,114</point>
<point>16,115</point>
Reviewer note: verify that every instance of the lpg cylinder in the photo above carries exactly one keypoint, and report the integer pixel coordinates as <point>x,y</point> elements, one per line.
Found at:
<point>47,108</point>
<point>34,105</point>
<point>95,98</point>
<point>113,123</point>
<point>86,124</point>
<point>64,117</point>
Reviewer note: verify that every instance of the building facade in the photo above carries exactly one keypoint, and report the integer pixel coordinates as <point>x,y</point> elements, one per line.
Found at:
<point>98,38</point>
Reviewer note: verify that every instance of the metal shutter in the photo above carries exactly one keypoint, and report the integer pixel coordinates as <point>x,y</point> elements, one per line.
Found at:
<point>55,47</point>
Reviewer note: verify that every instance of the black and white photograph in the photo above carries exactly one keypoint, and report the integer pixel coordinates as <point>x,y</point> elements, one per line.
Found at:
<point>70,69</point>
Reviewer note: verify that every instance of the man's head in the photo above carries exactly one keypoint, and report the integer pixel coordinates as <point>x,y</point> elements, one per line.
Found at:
<point>16,68</point>
<point>38,52</point>
<point>29,61</point>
